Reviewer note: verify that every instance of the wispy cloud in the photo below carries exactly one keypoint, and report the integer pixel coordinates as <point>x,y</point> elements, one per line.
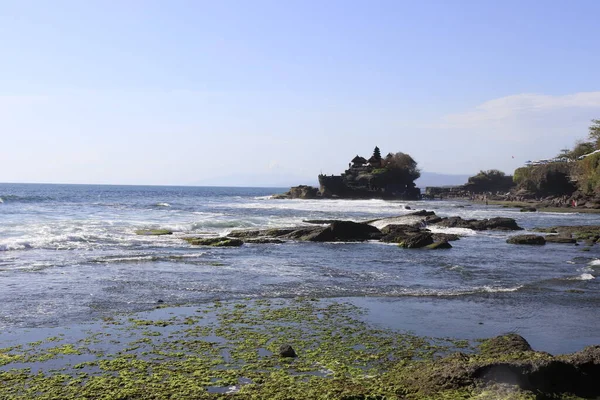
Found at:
<point>520,106</point>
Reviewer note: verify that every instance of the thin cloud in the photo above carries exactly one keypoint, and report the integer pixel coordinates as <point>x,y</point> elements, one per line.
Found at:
<point>520,106</point>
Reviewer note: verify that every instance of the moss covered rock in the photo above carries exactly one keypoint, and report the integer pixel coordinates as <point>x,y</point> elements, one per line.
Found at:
<point>216,242</point>
<point>153,232</point>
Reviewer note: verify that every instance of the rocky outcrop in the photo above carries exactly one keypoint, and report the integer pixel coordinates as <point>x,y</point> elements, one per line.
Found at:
<point>216,242</point>
<point>527,239</point>
<point>560,239</point>
<point>153,232</point>
<point>337,231</point>
<point>498,223</point>
<point>299,192</point>
<point>417,240</point>
<point>587,233</point>
<point>510,360</point>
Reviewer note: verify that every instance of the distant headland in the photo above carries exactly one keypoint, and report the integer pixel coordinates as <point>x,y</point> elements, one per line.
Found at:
<point>389,177</point>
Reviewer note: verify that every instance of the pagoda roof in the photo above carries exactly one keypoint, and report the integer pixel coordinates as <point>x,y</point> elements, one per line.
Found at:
<point>359,160</point>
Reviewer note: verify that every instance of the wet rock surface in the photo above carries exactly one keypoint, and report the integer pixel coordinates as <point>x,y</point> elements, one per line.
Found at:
<point>526,239</point>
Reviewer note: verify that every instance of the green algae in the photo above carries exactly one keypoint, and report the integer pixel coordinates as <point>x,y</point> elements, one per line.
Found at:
<point>204,352</point>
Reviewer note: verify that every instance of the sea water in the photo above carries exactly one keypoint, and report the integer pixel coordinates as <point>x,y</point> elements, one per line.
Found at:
<point>70,253</point>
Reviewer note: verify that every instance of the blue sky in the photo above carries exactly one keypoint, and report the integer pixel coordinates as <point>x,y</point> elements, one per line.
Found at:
<point>260,92</point>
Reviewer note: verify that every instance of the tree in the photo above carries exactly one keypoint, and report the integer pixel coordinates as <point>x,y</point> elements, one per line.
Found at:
<point>580,149</point>
<point>490,180</point>
<point>402,166</point>
<point>377,153</point>
<point>564,153</point>
<point>595,132</point>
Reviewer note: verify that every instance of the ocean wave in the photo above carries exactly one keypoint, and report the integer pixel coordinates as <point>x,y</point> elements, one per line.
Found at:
<point>454,292</point>
<point>10,198</point>
<point>583,277</point>
<point>456,231</point>
<point>162,205</point>
<point>594,263</point>
<point>147,257</point>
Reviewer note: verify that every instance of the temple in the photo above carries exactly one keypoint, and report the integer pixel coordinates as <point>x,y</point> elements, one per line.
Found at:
<point>389,177</point>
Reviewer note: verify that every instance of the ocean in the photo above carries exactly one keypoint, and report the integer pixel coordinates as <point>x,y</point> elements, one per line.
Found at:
<point>69,254</point>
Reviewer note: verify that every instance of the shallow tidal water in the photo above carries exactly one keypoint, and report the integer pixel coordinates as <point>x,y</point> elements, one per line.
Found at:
<point>69,255</point>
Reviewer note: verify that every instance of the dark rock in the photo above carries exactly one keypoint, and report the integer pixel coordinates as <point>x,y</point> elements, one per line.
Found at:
<point>160,301</point>
<point>153,232</point>
<point>445,237</point>
<point>245,234</point>
<point>323,234</point>
<point>285,350</point>
<point>422,213</point>
<point>348,230</point>
<point>417,240</point>
<point>265,241</point>
<point>407,208</point>
<point>395,228</point>
<point>560,239</point>
<point>216,242</point>
<point>452,222</point>
<point>501,223</point>
<point>526,239</point>
<point>498,223</point>
<point>432,219</point>
<point>320,221</point>
<point>504,344</point>
<point>528,209</point>
<point>439,245</point>
<point>303,192</point>
<point>398,233</point>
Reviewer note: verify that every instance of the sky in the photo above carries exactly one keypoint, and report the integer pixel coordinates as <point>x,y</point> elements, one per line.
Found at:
<point>261,93</point>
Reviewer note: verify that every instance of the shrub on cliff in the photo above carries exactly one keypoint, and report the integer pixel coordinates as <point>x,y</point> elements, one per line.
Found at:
<point>589,174</point>
<point>491,180</point>
<point>548,179</point>
<point>594,134</point>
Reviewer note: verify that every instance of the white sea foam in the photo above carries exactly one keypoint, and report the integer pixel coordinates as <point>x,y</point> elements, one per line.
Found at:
<point>163,204</point>
<point>456,231</point>
<point>583,277</point>
<point>456,292</point>
<point>595,262</point>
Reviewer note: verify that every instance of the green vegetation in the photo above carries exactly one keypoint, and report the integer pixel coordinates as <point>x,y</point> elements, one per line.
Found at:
<point>548,179</point>
<point>594,133</point>
<point>491,180</point>
<point>402,167</point>
<point>589,174</point>
<point>202,353</point>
